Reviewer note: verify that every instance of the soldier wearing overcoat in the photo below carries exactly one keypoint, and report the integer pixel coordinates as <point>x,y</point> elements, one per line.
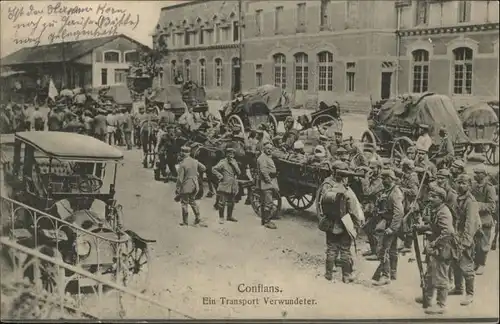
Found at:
<point>267,183</point>
<point>227,172</point>
<point>409,186</point>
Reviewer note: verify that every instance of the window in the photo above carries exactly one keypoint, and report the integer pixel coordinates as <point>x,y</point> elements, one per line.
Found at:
<point>323,13</point>
<point>112,57</point>
<point>218,73</point>
<point>203,73</point>
<point>217,33</point>
<point>422,12</point>
<point>121,75</point>
<point>173,39</point>
<point>173,71</point>
<point>301,72</point>
<point>258,75</point>
<point>464,9</point>
<point>420,71</point>
<point>277,19</point>
<point>236,31</point>
<point>280,70</point>
<point>325,69</point>
<point>201,34</point>
<point>131,57</point>
<point>187,38</point>
<point>301,15</point>
<point>187,70</point>
<point>462,71</point>
<point>258,21</point>
<point>104,76</point>
<point>350,76</point>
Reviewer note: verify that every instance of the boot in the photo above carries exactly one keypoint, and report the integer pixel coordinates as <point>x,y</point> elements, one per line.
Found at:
<point>347,275</point>
<point>427,296</point>
<point>382,282</point>
<point>270,225</point>
<point>394,267</point>
<point>329,264</point>
<point>440,307</point>
<point>221,215</point>
<point>480,270</point>
<point>458,290</point>
<point>377,273</point>
<point>184,219</point>
<point>230,214</point>
<point>469,291</point>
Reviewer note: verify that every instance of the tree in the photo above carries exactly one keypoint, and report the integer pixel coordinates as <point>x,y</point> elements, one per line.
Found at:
<point>148,63</point>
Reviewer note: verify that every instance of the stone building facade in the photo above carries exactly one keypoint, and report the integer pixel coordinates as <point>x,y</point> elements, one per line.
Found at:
<point>354,52</point>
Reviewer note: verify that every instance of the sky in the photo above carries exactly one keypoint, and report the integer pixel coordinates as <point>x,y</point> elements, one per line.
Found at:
<point>51,21</point>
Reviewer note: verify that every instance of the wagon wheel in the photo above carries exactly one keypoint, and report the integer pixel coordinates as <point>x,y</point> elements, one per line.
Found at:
<point>368,137</point>
<point>400,146</point>
<point>235,120</point>
<point>256,203</point>
<point>137,266</point>
<point>491,153</point>
<point>273,125</point>
<point>324,122</point>
<point>301,202</point>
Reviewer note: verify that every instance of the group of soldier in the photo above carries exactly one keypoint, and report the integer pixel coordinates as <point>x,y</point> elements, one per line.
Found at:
<point>454,210</point>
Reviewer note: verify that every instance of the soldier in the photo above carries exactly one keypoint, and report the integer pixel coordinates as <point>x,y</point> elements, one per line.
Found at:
<point>162,149</point>
<point>259,136</point>
<point>411,153</point>
<point>112,123</point>
<point>439,250</point>
<point>127,127</point>
<point>409,186</point>
<point>138,119</point>
<point>38,119</point>
<point>291,135</point>
<point>187,120</point>
<point>56,118</point>
<point>457,167</point>
<point>342,154</point>
<point>484,192</point>
<point>187,185</point>
<point>267,184</point>
<point>389,207</point>
<point>443,180</point>
<point>335,202</point>
<point>423,164</point>
<point>166,115</point>
<point>227,172</point>
<point>266,137</point>
<point>424,141</point>
<point>467,226</point>
<point>100,127</point>
<point>371,186</point>
<point>446,152</point>
<point>298,148</point>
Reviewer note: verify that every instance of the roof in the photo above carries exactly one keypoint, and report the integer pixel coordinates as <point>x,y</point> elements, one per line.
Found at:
<point>431,109</point>
<point>70,146</point>
<point>52,53</point>
<point>6,74</point>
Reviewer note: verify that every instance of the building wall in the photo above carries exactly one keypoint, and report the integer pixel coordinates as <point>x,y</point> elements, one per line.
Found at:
<point>439,35</point>
<point>121,46</point>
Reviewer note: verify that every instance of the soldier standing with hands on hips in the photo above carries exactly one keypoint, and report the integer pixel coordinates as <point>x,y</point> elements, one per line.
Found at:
<point>227,171</point>
<point>187,185</point>
<point>267,184</point>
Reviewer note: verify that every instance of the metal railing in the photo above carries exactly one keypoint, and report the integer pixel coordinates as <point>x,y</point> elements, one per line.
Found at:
<point>62,258</point>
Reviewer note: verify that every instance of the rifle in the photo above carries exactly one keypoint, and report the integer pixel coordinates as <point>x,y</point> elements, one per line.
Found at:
<point>418,257</point>
<point>495,238</point>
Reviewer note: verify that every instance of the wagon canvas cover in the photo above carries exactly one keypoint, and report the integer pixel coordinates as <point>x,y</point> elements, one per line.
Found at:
<point>170,94</point>
<point>480,121</point>
<point>433,110</point>
<point>270,95</point>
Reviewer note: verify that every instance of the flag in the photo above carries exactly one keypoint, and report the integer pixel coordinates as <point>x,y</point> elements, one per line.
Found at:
<point>52,90</point>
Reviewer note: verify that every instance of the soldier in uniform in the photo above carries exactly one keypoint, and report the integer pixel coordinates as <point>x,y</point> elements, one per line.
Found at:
<point>266,137</point>
<point>162,148</point>
<point>423,164</point>
<point>457,167</point>
<point>446,152</point>
<point>439,250</point>
<point>187,185</point>
<point>443,180</point>
<point>138,119</point>
<point>267,183</point>
<point>484,192</point>
<point>166,115</point>
<point>187,120</point>
<point>227,172</point>
<point>409,186</point>
<point>389,207</point>
<point>335,201</point>
<point>56,118</point>
<point>342,154</point>
<point>468,223</point>
<point>100,127</point>
<point>291,135</point>
<point>371,186</point>
<point>411,153</point>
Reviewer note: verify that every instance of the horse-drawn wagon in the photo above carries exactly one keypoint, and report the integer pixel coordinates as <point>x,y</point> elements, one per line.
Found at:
<point>326,118</point>
<point>266,104</point>
<point>395,126</point>
<point>480,122</point>
<point>61,201</point>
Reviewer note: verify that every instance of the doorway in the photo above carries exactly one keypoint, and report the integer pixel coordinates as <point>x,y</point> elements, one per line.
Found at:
<point>385,89</point>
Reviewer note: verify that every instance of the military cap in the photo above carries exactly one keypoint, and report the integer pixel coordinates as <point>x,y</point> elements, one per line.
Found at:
<point>298,145</point>
<point>320,151</point>
<point>411,149</point>
<point>266,144</point>
<point>409,163</point>
<point>443,173</point>
<point>480,168</point>
<point>186,149</point>
<point>437,190</point>
<point>458,163</point>
<point>323,138</point>
<point>229,150</point>
<point>463,177</point>
<point>341,150</point>
<point>388,173</point>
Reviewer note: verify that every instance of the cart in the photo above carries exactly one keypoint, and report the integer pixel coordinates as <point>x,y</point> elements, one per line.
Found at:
<point>180,97</point>
<point>394,128</point>
<point>324,119</point>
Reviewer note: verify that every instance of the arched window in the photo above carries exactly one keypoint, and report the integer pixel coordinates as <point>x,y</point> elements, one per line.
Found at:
<point>133,56</point>
<point>203,73</point>
<point>420,71</point>
<point>187,70</point>
<point>325,71</point>
<point>218,73</point>
<point>112,57</point>
<point>462,69</point>
<point>280,70</point>
<point>301,71</point>
<point>173,71</point>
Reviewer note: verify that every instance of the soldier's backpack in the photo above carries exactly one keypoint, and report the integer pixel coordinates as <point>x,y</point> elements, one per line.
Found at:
<point>334,206</point>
